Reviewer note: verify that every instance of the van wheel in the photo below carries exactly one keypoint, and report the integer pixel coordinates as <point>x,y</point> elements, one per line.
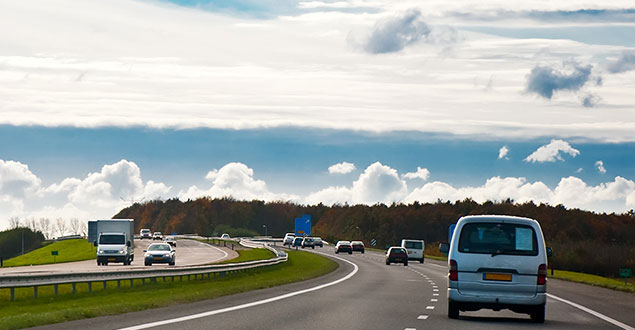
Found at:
<point>421,260</point>
<point>405,263</point>
<point>538,314</point>
<point>453,310</point>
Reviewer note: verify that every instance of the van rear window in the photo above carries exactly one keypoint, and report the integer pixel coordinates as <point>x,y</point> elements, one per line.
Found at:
<point>413,245</point>
<point>498,238</point>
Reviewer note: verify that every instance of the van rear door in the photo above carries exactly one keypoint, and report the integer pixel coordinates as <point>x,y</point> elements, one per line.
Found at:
<point>498,260</point>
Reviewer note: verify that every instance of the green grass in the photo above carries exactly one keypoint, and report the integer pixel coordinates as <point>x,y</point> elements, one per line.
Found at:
<point>26,311</point>
<point>69,250</point>
<point>251,255</point>
<point>605,282</point>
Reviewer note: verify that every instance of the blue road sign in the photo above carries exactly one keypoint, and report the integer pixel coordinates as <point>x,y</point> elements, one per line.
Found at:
<point>303,225</point>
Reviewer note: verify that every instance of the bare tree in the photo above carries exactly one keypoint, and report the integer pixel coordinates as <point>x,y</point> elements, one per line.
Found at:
<point>60,226</point>
<point>84,228</point>
<point>74,226</point>
<point>45,224</point>
<point>14,222</point>
<point>32,224</point>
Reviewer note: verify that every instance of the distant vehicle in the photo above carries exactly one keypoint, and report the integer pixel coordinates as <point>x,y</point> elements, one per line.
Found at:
<point>343,246</point>
<point>145,233</point>
<point>288,239</point>
<point>308,242</point>
<point>160,253</point>
<point>114,240</point>
<point>497,262</point>
<point>157,235</point>
<point>415,249</point>
<point>317,241</point>
<point>358,246</point>
<point>297,241</point>
<point>396,254</point>
<point>170,240</point>
<point>224,236</point>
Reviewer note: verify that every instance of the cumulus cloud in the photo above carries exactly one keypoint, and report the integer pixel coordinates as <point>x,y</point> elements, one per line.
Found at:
<point>544,80</point>
<point>626,62</point>
<point>394,33</point>
<point>421,173</point>
<point>600,166</point>
<point>502,152</point>
<point>551,152</point>
<point>342,168</point>
<point>99,195</point>
<point>378,184</point>
<point>234,180</point>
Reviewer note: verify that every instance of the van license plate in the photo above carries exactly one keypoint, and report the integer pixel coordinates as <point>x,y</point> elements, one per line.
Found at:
<point>497,277</point>
<point>111,259</point>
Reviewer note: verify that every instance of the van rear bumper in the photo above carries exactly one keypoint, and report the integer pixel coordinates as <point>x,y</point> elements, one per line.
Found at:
<point>473,302</point>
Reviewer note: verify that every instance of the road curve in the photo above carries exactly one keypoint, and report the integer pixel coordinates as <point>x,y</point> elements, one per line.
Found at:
<point>188,253</point>
<point>377,296</point>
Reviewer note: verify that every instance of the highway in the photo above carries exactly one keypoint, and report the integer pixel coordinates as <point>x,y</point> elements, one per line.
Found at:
<point>188,253</point>
<point>364,293</point>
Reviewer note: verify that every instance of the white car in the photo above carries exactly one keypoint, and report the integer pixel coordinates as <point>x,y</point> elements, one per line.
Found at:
<point>224,236</point>
<point>145,233</point>
<point>288,239</point>
<point>159,253</point>
<point>170,240</point>
<point>497,262</point>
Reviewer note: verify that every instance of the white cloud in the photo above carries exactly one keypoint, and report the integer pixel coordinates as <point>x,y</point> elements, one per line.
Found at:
<point>600,166</point>
<point>502,152</point>
<point>99,195</point>
<point>234,180</point>
<point>421,173</point>
<point>551,152</point>
<point>137,55</point>
<point>342,168</point>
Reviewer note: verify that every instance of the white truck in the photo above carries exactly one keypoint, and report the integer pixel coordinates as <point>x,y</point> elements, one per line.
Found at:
<point>114,240</point>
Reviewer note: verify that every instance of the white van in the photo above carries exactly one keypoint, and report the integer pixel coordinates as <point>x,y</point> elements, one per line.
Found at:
<point>415,248</point>
<point>497,262</point>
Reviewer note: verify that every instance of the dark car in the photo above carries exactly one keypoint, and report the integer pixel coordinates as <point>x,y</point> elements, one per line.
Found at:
<point>160,253</point>
<point>358,246</point>
<point>397,254</point>
<point>308,242</point>
<point>297,241</point>
<point>343,246</point>
<point>317,241</point>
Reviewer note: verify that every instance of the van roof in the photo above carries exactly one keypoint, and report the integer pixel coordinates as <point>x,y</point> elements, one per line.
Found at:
<point>496,218</point>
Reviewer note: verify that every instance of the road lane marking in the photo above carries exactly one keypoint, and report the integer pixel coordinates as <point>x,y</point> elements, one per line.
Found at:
<point>430,307</point>
<point>422,317</point>
<point>435,294</point>
<point>592,312</point>
<point>251,304</point>
<point>434,300</point>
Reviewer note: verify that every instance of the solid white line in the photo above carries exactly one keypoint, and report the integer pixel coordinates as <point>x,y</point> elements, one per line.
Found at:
<point>251,304</point>
<point>592,312</point>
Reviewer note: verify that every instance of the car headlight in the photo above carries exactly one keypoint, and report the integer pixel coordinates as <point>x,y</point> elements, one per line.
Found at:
<point>148,255</point>
<point>167,255</point>
<point>122,251</point>
<point>100,251</point>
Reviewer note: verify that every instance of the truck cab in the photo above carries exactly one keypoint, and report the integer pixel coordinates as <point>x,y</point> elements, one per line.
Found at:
<point>114,247</point>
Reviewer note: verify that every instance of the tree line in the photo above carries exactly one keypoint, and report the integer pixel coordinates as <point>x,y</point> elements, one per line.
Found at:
<point>598,243</point>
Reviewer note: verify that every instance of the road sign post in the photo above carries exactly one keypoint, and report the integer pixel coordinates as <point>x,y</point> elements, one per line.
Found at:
<point>626,273</point>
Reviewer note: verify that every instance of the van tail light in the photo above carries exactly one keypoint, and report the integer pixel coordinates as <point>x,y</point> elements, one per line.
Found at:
<point>454,271</point>
<point>542,274</point>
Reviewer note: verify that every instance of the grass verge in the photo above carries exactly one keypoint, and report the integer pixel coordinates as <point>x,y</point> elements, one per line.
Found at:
<point>594,280</point>
<point>26,311</point>
<point>69,250</point>
<point>251,255</point>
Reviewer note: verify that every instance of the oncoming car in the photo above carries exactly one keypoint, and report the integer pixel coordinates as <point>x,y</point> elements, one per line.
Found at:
<point>157,236</point>
<point>160,253</point>
<point>497,262</point>
<point>170,240</point>
<point>145,233</point>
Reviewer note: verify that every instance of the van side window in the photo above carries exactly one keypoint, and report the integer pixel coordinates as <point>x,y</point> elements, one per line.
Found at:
<point>414,245</point>
<point>498,238</point>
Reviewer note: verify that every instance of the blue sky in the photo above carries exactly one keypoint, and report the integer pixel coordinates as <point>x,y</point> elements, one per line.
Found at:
<point>258,99</point>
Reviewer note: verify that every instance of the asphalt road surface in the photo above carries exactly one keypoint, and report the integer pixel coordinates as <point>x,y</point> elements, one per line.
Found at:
<point>364,293</point>
<point>188,253</point>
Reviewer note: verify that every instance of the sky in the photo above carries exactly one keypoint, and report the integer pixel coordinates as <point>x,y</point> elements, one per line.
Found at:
<point>106,103</point>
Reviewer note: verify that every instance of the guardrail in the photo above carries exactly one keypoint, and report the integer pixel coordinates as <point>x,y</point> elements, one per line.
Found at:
<point>12,282</point>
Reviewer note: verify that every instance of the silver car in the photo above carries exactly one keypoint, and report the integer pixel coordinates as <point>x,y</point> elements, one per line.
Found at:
<point>160,253</point>
<point>497,262</point>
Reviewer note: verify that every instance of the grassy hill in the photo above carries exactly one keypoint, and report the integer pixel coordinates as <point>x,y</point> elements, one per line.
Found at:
<point>69,250</point>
